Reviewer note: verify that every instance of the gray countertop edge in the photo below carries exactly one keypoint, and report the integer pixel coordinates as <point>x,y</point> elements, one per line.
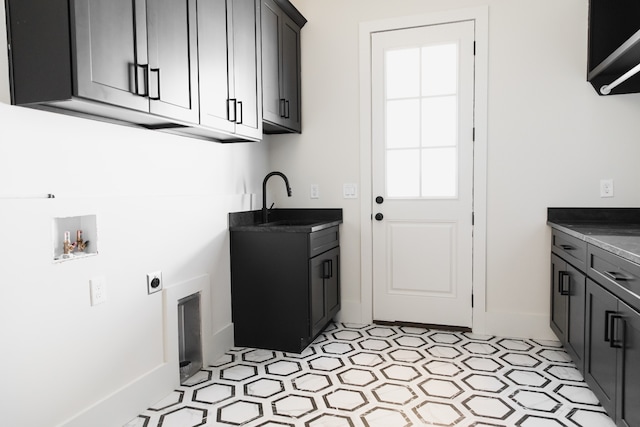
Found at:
<point>320,225</point>
<point>600,242</point>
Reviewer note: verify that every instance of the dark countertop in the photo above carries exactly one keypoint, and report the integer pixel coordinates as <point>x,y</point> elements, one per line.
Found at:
<point>616,230</point>
<point>285,220</point>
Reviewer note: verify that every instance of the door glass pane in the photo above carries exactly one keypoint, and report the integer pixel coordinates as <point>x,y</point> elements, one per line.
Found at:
<point>439,121</point>
<point>403,173</point>
<point>402,73</point>
<point>439,172</point>
<point>440,69</point>
<point>403,123</point>
<point>422,111</point>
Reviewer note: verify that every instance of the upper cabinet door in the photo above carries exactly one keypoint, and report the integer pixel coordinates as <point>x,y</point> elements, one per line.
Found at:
<point>271,24</point>
<point>214,65</point>
<point>247,66</point>
<point>290,84</point>
<point>280,70</point>
<point>107,58</point>
<point>173,60</point>
<point>229,57</point>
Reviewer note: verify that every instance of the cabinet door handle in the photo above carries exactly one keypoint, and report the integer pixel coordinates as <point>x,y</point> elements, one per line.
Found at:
<point>327,269</point>
<point>614,275</point>
<point>286,114</point>
<point>240,108</point>
<point>283,108</point>
<point>157,71</point>
<point>607,325</point>
<point>567,247</point>
<point>564,283</point>
<point>231,110</point>
<point>613,333</point>
<point>141,75</point>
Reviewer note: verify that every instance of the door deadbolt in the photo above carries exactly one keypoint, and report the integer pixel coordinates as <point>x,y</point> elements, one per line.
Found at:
<point>379,217</point>
<point>379,200</point>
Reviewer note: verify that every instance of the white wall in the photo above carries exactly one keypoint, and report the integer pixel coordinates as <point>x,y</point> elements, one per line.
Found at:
<point>161,203</point>
<point>550,139</point>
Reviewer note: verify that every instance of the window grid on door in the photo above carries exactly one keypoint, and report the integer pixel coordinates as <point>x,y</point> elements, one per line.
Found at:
<point>421,121</point>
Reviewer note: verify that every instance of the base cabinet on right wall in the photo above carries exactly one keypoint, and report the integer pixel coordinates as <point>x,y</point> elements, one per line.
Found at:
<point>612,335</point>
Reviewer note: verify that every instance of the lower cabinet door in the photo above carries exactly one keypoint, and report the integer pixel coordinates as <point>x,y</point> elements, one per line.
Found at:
<point>628,394</point>
<point>558,298</point>
<point>324,289</point>
<point>601,356</point>
<point>575,317</point>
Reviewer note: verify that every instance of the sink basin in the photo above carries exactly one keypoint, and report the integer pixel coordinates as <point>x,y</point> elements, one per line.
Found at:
<point>289,223</point>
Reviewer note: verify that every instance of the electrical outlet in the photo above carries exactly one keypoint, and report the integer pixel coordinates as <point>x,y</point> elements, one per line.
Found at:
<point>98,287</point>
<point>606,187</point>
<point>314,192</point>
<point>154,282</point>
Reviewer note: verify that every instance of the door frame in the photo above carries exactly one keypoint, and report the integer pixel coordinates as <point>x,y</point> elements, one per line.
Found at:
<point>481,17</point>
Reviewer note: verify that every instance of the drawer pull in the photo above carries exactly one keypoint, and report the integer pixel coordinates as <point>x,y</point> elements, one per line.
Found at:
<point>567,247</point>
<point>614,275</point>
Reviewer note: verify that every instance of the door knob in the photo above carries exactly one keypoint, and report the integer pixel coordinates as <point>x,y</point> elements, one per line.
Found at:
<point>379,216</point>
<point>379,200</point>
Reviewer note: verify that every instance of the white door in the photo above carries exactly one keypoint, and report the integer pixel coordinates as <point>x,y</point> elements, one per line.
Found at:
<point>422,174</point>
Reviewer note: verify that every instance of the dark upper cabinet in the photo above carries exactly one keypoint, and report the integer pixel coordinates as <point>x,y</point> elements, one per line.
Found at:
<point>614,44</point>
<point>120,53</point>
<point>229,57</point>
<point>152,63</point>
<point>139,55</point>
<point>281,94</point>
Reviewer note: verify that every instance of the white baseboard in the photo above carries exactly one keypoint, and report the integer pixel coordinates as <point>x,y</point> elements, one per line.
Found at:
<point>125,404</point>
<point>219,344</point>
<point>519,325</point>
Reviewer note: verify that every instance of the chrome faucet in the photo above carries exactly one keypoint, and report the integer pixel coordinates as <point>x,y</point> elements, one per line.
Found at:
<point>265,211</point>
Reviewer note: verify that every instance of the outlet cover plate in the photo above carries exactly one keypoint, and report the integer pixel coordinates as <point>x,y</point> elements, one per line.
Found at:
<point>154,282</point>
<point>98,286</point>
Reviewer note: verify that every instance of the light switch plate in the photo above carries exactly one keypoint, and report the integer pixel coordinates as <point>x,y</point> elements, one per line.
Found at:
<point>350,191</point>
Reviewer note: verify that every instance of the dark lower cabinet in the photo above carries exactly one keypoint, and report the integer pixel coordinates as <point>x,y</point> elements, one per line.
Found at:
<point>567,308</point>
<point>325,289</point>
<point>613,352</point>
<point>285,287</point>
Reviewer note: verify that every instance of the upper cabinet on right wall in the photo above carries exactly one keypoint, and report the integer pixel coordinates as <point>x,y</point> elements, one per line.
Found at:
<point>614,46</point>
<point>281,100</point>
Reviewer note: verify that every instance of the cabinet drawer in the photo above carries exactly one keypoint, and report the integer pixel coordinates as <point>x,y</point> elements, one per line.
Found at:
<point>616,274</point>
<point>323,240</point>
<point>569,248</point>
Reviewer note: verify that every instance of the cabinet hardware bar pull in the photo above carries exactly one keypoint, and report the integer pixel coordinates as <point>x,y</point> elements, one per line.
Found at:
<point>606,89</point>
<point>607,325</point>
<point>564,284</point>
<point>240,107</point>
<point>231,109</point>
<point>613,333</point>
<point>157,71</point>
<point>567,247</point>
<point>286,115</point>
<point>282,108</point>
<point>614,275</point>
<point>327,268</point>
<point>143,77</point>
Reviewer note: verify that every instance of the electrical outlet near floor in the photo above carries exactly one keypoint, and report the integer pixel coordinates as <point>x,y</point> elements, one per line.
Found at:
<point>606,187</point>
<point>154,282</point>
<point>98,287</point>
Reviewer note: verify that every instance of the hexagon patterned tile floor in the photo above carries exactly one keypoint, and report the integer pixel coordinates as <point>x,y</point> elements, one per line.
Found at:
<point>370,376</point>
